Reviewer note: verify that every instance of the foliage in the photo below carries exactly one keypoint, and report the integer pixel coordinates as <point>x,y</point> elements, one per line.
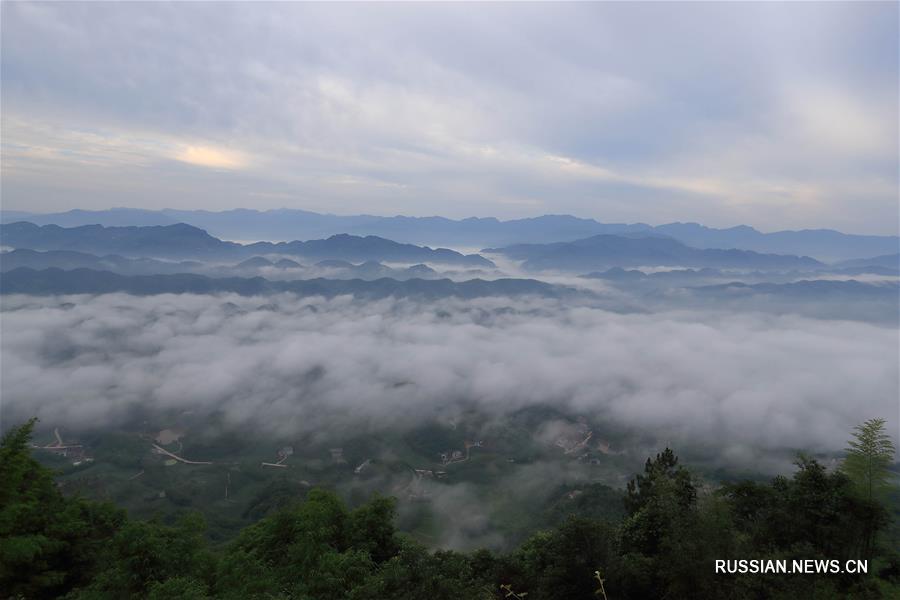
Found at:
<point>869,457</point>
<point>665,545</point>
<point>48,544</point>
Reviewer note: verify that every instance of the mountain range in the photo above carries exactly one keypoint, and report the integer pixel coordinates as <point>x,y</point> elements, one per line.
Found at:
<point>890,261</point>
<point>90,281</point>
<point>822,298</point>
<point>181,241</point>
<point>69,259</point>
<point>282,268</point>
<point>605,251</point>
<point>180,248</point>
<point>292,224</point>
<point>806,290</point>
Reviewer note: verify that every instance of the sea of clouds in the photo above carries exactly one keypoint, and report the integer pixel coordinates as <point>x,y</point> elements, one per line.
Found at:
<point>742,383</point>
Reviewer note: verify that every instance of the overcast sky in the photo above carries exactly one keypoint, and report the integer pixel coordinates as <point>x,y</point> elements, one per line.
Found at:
<point>774,115</point>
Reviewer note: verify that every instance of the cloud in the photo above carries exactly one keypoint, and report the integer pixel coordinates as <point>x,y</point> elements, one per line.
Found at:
<point>744,384</point>
<point>206,156</point>
<point>775,115</point>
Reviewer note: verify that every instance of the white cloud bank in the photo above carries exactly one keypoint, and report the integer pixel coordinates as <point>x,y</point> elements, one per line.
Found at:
<point>740,383</point>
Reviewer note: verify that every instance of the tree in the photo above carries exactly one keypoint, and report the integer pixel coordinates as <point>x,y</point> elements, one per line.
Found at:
<point>560,564</point>
<point>663,472</point>
<point>53,546</point>
<point>869,457</point>
<point>48,543</point>
<point>658,539</point>
<point>144,554</point>
<point>867,464</point>
<point>178,588</point>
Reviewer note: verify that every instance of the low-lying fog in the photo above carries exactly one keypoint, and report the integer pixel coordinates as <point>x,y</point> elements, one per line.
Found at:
<point>741,383</point>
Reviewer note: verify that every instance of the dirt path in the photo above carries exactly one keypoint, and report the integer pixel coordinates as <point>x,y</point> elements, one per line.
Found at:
<point>178,458</point>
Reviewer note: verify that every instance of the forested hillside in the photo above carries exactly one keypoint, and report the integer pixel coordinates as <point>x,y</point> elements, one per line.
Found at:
<point>674,530</point>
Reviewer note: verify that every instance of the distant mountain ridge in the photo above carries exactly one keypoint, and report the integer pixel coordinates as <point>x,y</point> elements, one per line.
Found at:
<point>815,289</point>
<point>291,224</point>
<point>181,241</point>
<point>158,241</point>
<point>355,248</point>
<point>90,281</point>
<point>70,259</point>
<point>891,261</point>
<point>606,251</point>
<point>286,268</point>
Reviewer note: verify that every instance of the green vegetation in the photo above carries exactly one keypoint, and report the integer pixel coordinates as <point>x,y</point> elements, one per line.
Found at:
<point>665,546</point>
<point>517,482</point>
<point>869,458</point>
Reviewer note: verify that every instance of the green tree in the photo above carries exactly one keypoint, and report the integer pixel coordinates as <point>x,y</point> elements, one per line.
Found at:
<point>660,473</point>
<point>560,564</point>
<point>144,554</point>
<point>55,546</point>
<point>48,543</point>
<point>316,548</point>
<point>815,514</point>
<point>869,457</point>
<point>178,588</point>
<point>656,539</point>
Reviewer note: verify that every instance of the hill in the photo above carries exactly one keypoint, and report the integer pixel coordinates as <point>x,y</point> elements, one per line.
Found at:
<point>69,259</point>
<point>89,281</point>
<point>310,544</point>
<point>288,224</point>
<point>888,261</point>
<point>181,241</point>
<point>606,251</point>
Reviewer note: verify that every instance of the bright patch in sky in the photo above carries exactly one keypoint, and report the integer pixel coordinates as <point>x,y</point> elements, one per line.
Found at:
<point>207,156</point>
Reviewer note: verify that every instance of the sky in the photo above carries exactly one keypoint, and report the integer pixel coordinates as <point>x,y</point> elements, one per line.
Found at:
<point>776,115</point>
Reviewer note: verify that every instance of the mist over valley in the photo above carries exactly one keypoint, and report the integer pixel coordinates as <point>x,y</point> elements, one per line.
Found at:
<point>482,301</point>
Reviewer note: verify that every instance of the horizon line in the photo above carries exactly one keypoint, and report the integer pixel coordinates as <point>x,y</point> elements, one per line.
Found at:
<point>456,220</point>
